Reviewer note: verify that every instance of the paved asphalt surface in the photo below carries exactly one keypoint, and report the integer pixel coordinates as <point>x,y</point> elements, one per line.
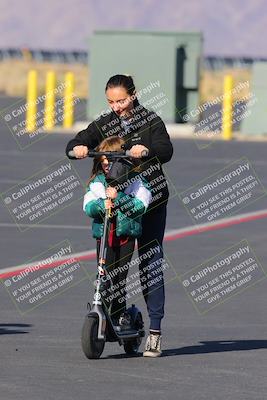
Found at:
<point>219,355</point>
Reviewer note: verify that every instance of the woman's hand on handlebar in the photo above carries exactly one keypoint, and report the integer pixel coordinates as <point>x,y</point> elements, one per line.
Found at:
<point>111,192</point>
<point>80,151</point>
<point>137,151</point>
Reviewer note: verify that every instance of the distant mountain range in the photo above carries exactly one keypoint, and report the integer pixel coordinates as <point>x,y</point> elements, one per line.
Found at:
<point>230,27</point>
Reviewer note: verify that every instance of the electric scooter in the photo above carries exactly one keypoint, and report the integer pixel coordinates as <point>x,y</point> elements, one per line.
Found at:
<point>98,327</point>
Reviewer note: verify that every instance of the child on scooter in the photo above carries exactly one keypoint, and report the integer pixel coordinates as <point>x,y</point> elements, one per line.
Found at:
<point>127,207</point>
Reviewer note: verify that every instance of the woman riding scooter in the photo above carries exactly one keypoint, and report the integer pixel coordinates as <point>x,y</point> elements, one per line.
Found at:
<point>142,130</point>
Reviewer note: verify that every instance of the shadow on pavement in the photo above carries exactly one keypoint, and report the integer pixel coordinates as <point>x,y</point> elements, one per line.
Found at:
<point>217,347</point>
<point>123,355</point>
<point>12,329</point>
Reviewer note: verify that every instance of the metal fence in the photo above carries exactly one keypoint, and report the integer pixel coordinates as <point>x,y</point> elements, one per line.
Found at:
<point>67,57</point>
<point>81,57</point>
<point>217,63</point>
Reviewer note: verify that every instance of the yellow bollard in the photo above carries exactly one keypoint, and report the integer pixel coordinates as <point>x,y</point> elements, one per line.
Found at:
<point>31,101</point>
<point>49,112</point>
<point>68,100</point>
<point>227,121</point>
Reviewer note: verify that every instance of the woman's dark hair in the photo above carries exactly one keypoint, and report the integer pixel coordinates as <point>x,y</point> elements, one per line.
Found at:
<point>124,81</point>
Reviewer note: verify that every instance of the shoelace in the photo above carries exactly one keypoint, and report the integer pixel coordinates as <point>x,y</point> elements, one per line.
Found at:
<point>153,342</point>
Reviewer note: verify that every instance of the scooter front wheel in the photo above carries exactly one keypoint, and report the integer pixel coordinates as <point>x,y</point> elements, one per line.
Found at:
<point>91,345</point>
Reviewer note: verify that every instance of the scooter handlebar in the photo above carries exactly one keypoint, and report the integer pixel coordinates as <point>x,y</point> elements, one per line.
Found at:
<point>110,154</point>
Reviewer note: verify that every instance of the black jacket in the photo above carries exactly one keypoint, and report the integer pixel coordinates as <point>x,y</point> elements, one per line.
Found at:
<point>148,129</point>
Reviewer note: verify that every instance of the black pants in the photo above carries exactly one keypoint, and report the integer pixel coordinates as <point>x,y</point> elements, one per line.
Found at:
<point>151,274</point>
<point>114,297</point>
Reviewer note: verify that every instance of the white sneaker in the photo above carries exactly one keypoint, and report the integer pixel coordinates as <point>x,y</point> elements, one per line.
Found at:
<point>153,346</point>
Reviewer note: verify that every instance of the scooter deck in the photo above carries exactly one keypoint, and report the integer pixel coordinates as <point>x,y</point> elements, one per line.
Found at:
<point>130,334</point>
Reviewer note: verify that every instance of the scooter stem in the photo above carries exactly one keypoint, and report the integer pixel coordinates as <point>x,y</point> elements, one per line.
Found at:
<point>103,242</point>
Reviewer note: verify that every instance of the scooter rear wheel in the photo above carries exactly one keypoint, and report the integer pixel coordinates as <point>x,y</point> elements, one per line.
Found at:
<point>92,347</point>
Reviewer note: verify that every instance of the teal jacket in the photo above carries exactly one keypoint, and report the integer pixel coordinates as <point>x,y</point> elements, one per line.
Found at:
<point>129,206</point>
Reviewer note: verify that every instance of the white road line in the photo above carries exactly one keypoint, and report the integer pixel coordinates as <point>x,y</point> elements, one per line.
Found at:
<point>171,231</point>
<point>10,181</point>
<point>45,226</point>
